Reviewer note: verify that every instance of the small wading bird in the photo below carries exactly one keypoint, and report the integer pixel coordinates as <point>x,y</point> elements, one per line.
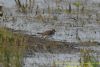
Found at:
<point>47,33</point>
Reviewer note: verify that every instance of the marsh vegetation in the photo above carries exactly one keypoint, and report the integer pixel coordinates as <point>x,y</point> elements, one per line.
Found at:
<point>77,26</point>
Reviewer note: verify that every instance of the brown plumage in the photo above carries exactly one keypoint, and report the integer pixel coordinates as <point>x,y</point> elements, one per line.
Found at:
<point>48,32</point>
<point>1,14</point>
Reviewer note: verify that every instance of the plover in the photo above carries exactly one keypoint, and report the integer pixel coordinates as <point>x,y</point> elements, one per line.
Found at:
<point>47,33</point>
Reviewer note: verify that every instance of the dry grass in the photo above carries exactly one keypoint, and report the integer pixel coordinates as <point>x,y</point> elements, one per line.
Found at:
<point>88,59</point>
<point>12,48</point>
<point>25,7</point>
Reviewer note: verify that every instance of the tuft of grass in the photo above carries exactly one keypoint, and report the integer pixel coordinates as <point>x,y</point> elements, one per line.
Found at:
<point>25,7</point>
<point>88,59</point>
<point>12,47</point>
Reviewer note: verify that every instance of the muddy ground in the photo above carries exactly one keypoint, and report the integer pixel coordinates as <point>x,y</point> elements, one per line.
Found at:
<point>42,45</point>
